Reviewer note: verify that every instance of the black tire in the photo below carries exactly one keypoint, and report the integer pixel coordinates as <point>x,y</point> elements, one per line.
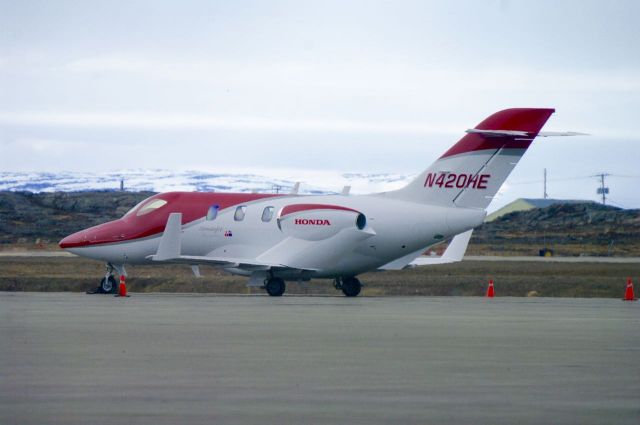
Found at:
<point>351,287</point>
<point>275,287</point>
<point>108,286</point>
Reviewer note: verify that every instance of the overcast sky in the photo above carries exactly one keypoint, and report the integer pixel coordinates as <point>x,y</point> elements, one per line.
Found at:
<point>350,86</point>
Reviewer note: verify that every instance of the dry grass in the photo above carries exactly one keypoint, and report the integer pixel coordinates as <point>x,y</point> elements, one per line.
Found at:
<point>468,278</point>
<point>565,249</point>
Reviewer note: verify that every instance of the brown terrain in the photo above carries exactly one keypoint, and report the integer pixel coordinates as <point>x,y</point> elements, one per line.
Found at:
<point>29,220</point>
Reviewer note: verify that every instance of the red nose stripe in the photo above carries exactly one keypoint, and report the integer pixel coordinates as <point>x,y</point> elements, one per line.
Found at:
<point>192,205</point>
<point>70,241</point>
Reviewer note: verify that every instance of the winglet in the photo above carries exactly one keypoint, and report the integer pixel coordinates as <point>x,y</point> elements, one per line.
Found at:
<point>295,189</point>
<point>170,242</point>
<point>454,252</point>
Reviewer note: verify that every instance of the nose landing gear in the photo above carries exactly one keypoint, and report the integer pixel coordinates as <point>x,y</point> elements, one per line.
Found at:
<point>108,284</point>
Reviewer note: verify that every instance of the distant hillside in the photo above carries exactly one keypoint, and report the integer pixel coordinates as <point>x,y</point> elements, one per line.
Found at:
<point>568,229</point>
<point>576,229</point>
<point>26,217</point>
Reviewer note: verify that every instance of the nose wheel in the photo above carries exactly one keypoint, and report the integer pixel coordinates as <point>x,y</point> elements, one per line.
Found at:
<point>108,284</point>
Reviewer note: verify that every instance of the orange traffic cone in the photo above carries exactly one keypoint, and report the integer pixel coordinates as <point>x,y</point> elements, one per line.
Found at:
<point>122,288</point>
<point>628,292</point>
<point>490,292</point>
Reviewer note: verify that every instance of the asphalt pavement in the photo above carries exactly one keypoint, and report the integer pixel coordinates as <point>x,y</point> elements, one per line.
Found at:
<point>204,359</point>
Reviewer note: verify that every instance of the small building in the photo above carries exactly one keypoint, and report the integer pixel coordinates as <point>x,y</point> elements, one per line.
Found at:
<point>525,204</point>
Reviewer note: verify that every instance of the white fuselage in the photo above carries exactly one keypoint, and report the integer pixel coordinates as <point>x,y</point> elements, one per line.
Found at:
<point>394,229</point>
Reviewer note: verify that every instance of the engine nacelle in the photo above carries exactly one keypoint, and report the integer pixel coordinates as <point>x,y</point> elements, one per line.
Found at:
<point>314,222</point>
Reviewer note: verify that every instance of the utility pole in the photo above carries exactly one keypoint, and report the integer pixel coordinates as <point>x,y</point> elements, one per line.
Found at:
<point>545,184</point>
<point>602,190</point>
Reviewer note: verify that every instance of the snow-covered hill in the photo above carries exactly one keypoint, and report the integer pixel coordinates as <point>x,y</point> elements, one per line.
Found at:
<point>312,182</point>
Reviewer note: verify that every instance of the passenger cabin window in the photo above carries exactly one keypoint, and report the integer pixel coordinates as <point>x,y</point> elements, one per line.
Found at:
<point>151,206</point>
<point>240,211</point>
<point>212,212</point>
<point>267,214</point>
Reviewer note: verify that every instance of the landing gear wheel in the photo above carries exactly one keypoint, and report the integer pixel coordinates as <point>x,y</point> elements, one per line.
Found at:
<point>275,287</point>
<point>351,286</point>
<point>108,286</point>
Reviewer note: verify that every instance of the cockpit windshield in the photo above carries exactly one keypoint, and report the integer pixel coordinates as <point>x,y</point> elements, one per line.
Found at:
<point>146,206</point>
<point>151,206</point>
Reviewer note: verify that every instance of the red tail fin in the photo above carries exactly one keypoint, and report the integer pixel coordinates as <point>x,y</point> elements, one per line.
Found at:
<point>470,173</point>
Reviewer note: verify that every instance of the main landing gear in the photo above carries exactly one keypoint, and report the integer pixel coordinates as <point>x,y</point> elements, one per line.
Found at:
<point>350,286</point>
<point>275,286</point>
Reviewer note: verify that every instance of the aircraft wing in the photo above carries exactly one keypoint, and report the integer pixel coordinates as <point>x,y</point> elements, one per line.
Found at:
<point>454,253</point>
<point>226,262</point>
<point>170,247</point>
<point>402,262</point>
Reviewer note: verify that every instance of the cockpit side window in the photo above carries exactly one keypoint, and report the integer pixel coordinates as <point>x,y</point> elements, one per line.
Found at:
<point>240,212</point>
<point>212,213</point>
<point>151,206</point>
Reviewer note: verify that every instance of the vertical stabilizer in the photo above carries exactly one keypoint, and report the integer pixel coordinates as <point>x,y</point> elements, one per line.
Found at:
<point>472,171</point>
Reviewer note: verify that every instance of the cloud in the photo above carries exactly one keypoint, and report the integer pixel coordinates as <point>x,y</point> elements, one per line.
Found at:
<point>199,122</point>
<point>108,64</point>
<point>360,74</point>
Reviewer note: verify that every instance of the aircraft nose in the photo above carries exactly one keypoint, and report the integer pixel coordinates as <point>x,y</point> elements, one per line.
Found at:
<point>73,240</point>
<point>110,232</point>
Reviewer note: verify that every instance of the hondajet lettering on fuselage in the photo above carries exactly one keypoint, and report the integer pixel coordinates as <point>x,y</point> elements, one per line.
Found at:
<point>276,238</point>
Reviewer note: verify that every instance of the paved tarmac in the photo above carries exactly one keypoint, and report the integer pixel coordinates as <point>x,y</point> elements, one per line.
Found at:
<point>185,359</point>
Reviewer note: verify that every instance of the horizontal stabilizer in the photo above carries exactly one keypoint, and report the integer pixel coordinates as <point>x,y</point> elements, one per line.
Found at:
<point>561,133</point>
<point>454,252</point>
<point>499,133</point>
<point>518,133</point>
